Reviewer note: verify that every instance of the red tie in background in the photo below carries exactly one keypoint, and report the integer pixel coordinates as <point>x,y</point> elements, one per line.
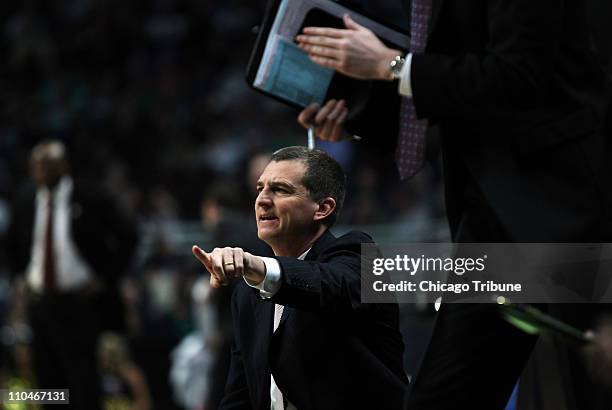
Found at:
<point>49,256</point>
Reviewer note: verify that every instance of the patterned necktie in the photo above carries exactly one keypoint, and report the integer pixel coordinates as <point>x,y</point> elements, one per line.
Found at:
<point>410,151</point>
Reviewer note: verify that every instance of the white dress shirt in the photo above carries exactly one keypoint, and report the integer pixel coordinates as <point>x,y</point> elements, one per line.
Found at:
<point>71,271</point>
<point>268,288</point>
<point>405,84</point>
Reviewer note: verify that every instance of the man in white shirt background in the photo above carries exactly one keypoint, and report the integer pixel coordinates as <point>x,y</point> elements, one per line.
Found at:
<point>69,243</point>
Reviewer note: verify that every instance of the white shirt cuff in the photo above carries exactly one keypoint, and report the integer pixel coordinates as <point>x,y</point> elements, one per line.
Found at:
<point>405,86</point>
<point>272,281</point>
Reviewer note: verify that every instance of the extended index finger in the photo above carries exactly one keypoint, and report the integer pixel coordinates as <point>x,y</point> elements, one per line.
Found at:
<point>202,256</point>
<point>326,31</point>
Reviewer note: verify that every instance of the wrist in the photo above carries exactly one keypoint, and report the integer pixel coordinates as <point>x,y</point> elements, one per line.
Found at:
<point>255,273</point>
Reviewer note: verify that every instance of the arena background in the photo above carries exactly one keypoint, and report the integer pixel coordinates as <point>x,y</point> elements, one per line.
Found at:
<point>150,98</point>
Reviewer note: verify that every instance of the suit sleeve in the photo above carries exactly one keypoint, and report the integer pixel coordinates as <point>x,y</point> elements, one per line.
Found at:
<point>514,72</point>
<point>236,395</point>
<point>331,282</point>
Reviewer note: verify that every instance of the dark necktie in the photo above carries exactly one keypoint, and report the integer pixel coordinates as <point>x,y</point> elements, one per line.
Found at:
<point>410,151</point>
<point>49,257</point>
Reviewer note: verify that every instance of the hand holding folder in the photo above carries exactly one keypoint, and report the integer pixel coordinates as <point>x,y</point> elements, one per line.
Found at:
<point>354,51</point>
<point>281,69</point>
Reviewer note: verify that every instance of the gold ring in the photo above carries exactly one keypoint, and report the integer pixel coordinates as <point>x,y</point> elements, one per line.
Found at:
<point>228,263</point>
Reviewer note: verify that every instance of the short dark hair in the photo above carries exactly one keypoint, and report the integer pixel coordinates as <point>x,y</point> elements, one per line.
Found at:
<point>323,177</point>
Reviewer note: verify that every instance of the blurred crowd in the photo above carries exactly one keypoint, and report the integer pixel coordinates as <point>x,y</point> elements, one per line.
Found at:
<point>149,96</point>
<point>150,99</point>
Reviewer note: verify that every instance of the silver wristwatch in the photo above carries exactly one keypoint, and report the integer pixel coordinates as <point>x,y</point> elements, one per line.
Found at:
<point>396,66</point>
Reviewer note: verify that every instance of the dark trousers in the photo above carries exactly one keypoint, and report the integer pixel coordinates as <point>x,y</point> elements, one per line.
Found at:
<point>475,358</point>
<point>65,330</point>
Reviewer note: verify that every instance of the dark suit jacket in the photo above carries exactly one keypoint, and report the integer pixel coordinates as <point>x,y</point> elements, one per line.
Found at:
<point>330,350</point>
<point>516,91</point>
<point>105,237</point>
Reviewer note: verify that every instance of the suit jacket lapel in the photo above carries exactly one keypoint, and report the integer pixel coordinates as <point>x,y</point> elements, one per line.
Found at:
<point>264,316</point>
<point>263,313</point>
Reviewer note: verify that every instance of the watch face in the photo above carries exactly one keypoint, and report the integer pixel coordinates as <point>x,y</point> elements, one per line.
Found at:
<point>396,66</point>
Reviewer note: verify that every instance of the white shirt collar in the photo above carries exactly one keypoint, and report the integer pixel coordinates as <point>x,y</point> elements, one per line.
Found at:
<point>303,256</point>
<point>62,190</point>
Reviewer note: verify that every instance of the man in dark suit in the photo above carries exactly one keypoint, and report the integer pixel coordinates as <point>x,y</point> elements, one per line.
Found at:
<point>69,244</point>
<point>516,91</point>
<point>303,339</point>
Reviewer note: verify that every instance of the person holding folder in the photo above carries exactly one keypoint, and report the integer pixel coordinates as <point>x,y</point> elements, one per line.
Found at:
<point>516,91</point>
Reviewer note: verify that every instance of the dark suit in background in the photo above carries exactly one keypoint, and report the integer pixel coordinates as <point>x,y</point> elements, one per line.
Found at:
<point>66,324</point>
<point>600,12</point>
<point>330,351</point>
<point>516,92</point>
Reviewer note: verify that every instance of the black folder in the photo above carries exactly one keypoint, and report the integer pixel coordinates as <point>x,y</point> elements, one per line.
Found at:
<point>279,69</point>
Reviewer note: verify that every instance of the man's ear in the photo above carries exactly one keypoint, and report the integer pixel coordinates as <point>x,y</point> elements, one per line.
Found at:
<point>325,208</point>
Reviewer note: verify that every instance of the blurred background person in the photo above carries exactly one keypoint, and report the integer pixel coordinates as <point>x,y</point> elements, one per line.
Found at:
<point>69,244</point>
<point>124,386</point>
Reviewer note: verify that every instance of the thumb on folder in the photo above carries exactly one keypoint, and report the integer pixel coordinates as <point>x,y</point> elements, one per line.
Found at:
<point>352,24</point>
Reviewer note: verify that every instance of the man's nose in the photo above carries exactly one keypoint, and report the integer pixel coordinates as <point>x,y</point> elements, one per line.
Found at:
<point>263,199</point>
